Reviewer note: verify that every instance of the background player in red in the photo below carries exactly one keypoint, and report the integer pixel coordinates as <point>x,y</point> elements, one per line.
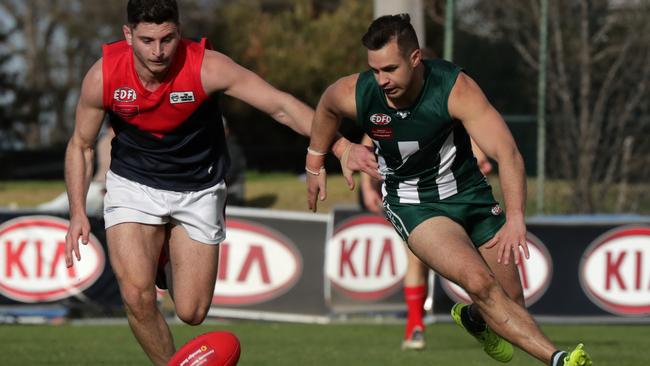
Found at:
<point>165,187</point>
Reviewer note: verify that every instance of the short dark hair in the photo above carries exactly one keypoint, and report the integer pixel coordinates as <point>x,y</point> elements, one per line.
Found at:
<point>151,11</point>
<point>383,29</point>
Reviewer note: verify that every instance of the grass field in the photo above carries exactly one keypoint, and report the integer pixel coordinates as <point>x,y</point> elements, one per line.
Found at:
<point>265,343</point>
<point>314,345</point>
<point>286,191</point>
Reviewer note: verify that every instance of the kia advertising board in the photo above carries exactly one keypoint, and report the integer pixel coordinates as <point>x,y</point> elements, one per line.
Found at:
<point>591,269</point>
<point>365,263</point>
<point>271,266</point>
<point>296,266</point>
<point>33,269</point>
<point>615,271</point>
<point>256,264</point>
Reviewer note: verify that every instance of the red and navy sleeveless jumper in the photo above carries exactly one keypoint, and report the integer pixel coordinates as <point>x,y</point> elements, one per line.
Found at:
<point>171,138</point>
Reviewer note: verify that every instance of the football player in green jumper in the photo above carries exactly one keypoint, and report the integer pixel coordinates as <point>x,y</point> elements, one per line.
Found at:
<point>420,115</point>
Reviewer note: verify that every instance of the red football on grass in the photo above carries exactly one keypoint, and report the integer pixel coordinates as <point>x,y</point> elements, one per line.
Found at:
<point>208,349</point>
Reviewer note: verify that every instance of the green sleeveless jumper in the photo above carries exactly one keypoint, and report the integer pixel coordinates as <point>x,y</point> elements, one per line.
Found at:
<point>426,157</point>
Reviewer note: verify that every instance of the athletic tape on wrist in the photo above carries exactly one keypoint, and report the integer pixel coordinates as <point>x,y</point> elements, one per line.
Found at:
<point>311,151</point>
<point>316,173</point>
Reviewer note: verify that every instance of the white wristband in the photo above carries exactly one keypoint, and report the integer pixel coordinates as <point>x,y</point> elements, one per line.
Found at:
<point>316,173</point>
<point>310,151</point>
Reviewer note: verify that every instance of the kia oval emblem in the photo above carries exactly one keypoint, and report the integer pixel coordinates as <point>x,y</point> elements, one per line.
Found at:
<point>615,271</point>
<point>32,260</point>
<point>365,258</point>
<point>256,264</point>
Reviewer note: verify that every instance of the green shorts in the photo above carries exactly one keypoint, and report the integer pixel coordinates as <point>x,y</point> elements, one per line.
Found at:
<point>475,210</point>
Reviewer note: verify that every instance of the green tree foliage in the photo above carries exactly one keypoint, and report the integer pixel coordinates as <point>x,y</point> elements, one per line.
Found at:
<point>299,49</point>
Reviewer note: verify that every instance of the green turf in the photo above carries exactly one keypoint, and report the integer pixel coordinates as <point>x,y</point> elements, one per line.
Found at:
<point>286,191</point>
<point>313,345</point>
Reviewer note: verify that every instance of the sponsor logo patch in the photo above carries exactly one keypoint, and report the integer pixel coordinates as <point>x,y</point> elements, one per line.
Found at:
<point>403,114</point>
<point>125,95</point>
<point>380,119</point>
<point>378,133</point>
<point>496,210</point>
<point>181,97</point>
<point>126,111</point>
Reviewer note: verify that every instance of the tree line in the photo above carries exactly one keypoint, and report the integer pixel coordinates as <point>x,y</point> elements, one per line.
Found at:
<point>598,72</point>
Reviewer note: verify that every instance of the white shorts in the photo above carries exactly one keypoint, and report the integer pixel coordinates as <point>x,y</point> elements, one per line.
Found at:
<point>201,213</point>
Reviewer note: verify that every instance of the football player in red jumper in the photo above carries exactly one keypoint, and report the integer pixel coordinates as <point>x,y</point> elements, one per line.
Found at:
<point>165,187</point>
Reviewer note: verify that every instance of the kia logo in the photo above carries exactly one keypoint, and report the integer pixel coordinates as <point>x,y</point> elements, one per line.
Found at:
<point>615,271</point>
<point>535,274</point>
<point>380,119</point>
<point>256,264</point>
<point>32,260</point>
<point>365,259</point>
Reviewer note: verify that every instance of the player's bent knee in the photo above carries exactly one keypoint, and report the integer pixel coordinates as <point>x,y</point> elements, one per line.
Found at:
<point>137,302</point>
<point>479,285</point>
<point>190,318</point>
<point>192,315</point>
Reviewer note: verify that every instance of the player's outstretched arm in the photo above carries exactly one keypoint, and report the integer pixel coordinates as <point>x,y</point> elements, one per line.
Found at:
<point>79,158</point>
<point>220,73</point>
<point>490,132</point>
